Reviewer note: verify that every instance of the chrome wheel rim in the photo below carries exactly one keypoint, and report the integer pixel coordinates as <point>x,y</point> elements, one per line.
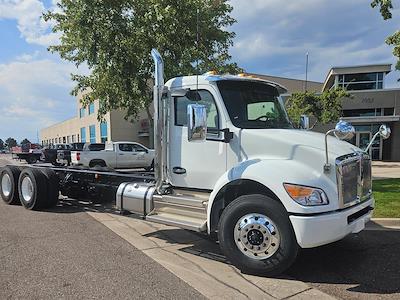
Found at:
<point>256,236</point>
<point>6,185</point>
<point>27,189</point>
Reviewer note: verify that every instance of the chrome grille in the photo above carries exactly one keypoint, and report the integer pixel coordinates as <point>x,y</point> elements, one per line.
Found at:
<point>366,177</point>
<point>354,178</point>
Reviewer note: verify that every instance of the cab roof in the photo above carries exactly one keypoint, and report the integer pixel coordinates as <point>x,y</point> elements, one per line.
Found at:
<point>179,82</point>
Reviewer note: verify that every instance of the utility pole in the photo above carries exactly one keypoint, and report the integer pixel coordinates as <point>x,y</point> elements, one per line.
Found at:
<point>305,84</point>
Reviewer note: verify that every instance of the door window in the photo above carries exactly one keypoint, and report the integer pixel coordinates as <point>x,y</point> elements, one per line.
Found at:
<point>126,147</point>
<point>138,148</point>
<point>207,100</point>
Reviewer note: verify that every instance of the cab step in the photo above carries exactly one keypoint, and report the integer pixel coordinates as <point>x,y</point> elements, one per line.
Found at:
<point>180,221</point>
<point>184,209</point>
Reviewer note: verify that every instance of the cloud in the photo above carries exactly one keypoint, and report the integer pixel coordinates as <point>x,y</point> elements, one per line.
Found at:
<point>30,23</point>
<point>273,36</point>
<point>34,94</point>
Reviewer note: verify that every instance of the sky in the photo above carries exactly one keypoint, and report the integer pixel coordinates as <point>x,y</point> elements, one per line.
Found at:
<point>272,37</point>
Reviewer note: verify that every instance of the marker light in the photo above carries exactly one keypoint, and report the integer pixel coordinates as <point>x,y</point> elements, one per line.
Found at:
<point>307,196</point>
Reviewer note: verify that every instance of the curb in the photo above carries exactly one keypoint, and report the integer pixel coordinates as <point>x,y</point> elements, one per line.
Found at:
<point>385,224</point>
<point>197,262</point>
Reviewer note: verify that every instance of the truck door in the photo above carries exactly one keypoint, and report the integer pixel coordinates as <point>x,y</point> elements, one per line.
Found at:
<point>196,164</point>
<point>142,157</point>
<point>126,156</point>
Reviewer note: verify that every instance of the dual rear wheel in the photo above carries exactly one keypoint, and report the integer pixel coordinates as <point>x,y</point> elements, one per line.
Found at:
<point>33,188</point>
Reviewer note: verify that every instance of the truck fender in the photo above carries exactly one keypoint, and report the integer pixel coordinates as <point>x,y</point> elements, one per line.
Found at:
<point>258,176</point>
<point>234,177</point>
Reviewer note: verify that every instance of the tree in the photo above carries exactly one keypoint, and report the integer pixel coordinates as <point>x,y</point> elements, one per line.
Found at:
<point>25,141</point>
<point>115,38</point>
<point>325,107</point>
<point>1,144</point>
<point>385,7</point>
<point>11,142</point>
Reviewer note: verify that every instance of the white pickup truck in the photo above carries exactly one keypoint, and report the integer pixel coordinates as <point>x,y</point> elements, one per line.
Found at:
<point>116,155</point>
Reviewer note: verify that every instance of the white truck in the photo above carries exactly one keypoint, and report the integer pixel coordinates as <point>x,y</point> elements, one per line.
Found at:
<point>116,155</point>
<point>228,163</point>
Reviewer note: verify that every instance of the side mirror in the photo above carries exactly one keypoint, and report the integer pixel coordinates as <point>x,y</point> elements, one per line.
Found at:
<point>197,122</point>
<point>304,122</point>
<point>344,130</point>
<point>384,132</point>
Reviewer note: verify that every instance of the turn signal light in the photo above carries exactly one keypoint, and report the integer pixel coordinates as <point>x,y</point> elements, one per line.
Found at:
<point>305,195</point>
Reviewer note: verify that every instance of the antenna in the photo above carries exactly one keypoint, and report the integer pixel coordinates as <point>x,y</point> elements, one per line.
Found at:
<point>305,84</point>
<point>197,50</point>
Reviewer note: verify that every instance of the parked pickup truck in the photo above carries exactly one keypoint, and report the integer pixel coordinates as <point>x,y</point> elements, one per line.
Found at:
<point>118,155</point>
<point>64,156</point>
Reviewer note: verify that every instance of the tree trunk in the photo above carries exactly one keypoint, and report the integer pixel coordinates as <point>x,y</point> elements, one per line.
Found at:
<point>151,127</point>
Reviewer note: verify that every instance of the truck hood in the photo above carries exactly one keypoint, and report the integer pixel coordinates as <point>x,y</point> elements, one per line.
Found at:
<point>290,144</point>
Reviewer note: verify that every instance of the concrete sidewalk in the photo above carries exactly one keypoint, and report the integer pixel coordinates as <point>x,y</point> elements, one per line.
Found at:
<point>386,224</point>
<point>384,170</point>
<point>199,262</point>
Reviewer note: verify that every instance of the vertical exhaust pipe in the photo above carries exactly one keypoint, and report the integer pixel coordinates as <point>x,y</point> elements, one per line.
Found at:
<point>159,128</point>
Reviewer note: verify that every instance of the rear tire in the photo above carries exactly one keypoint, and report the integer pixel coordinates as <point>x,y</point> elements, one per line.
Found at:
<point>33,189</point>
<point>53,188</point>
<point>9,184</point>
<point>97,163</point>
<point>31,160</point>
<point>256,235</point>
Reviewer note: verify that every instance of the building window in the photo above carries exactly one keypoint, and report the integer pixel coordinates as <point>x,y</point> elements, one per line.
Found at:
<point>81,112</point>
<point>92,133</point>
<point>389,111</point>
<point>103,132</point>
<point>91,108</point>
<point>362,81</point>
<point>369,112</point>
<point>83,135</point>
<point>68,139</point>
<point>73,138</point>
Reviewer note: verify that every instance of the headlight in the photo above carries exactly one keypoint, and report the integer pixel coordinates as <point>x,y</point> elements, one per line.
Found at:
<point>305,195</point>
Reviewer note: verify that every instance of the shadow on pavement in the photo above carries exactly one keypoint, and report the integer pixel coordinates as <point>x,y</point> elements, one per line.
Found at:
<point>68,205</point>
<point>369,261</point>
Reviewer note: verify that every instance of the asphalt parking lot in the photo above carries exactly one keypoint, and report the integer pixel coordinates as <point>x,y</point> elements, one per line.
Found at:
<point>362,266</point>
<point>64,253</point>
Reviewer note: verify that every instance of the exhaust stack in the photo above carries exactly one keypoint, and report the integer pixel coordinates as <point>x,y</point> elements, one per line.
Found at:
<point>160,133</point>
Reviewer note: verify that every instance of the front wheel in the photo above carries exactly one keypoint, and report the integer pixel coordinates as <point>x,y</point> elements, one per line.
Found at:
<point>256,235</point>
<point>151,167</point>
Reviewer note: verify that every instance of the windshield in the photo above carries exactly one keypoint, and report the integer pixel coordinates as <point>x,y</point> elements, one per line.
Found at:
<point>253,105</point>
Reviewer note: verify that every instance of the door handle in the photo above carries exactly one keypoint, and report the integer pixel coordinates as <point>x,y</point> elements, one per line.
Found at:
<point>179,170</point>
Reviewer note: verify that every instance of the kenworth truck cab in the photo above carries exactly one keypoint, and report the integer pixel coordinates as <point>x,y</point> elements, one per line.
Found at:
<point>228,163</point>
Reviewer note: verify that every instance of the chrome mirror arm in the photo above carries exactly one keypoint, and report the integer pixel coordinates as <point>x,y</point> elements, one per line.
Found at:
<point>327,166</point>
<point>371,142</point>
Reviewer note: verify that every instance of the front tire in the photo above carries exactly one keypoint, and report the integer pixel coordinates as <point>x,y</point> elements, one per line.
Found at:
<point>151,167</point>
<point>256,235</point>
